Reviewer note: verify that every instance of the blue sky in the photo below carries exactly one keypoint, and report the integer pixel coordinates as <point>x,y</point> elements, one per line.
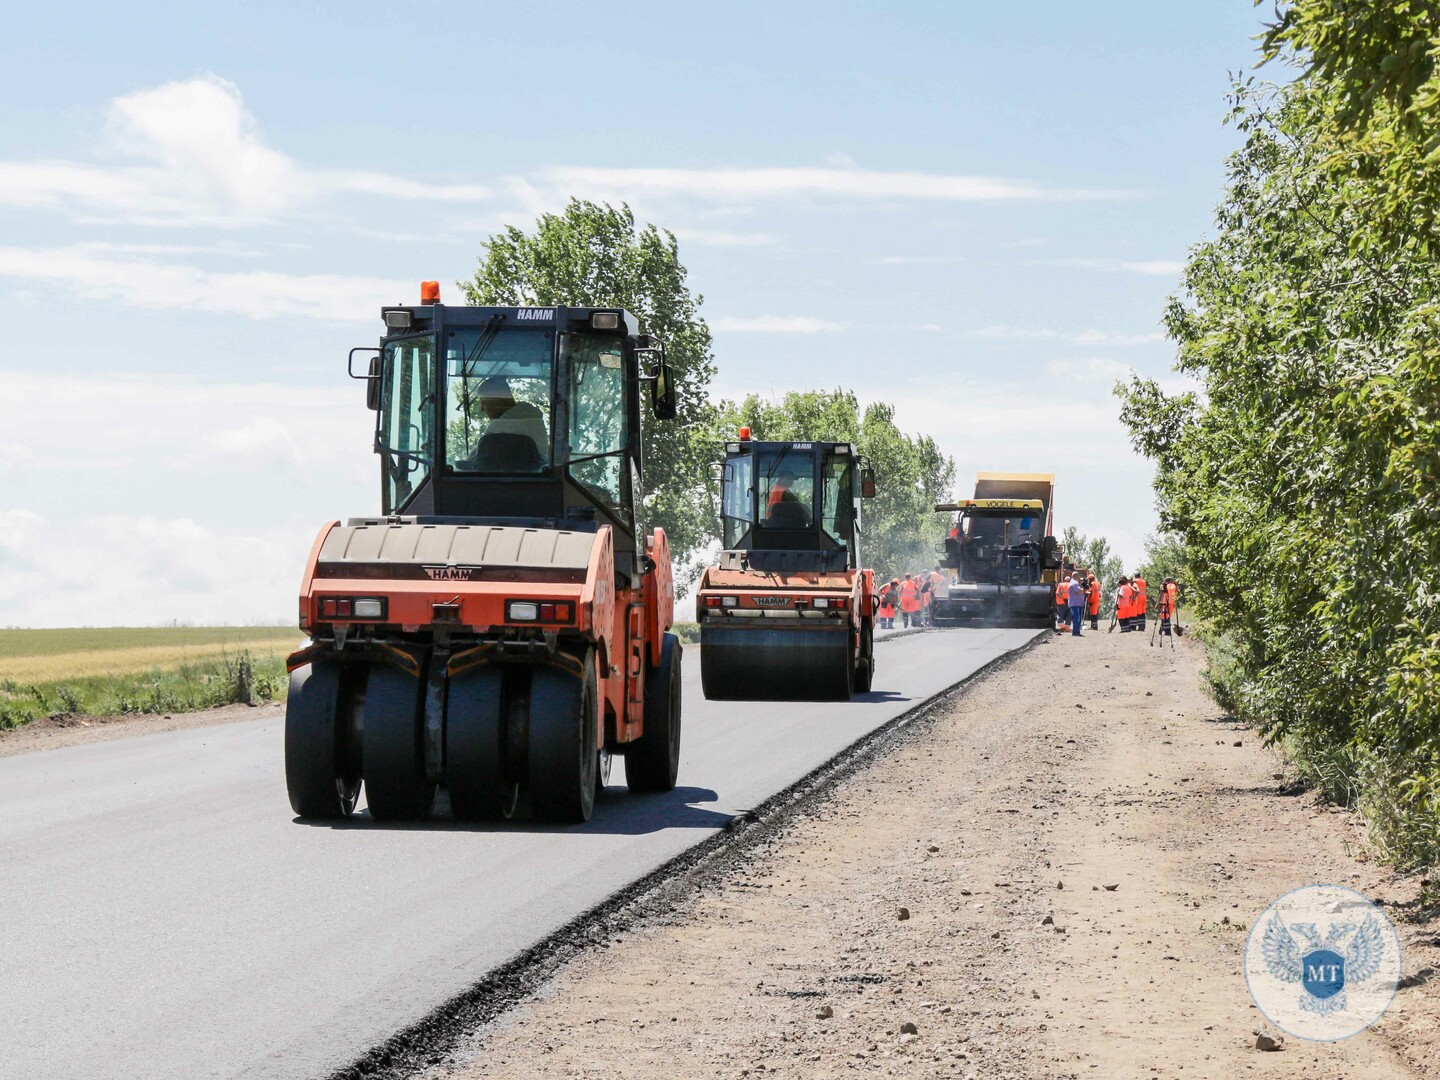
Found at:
<point>973,211</point>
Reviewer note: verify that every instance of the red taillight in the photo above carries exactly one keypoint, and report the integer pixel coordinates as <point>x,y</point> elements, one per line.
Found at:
<point>712,601</point>
<point>327,608</point>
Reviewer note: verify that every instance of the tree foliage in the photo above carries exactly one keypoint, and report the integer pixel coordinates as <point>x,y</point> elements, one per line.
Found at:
<point>1302,477</point>
<point>1096,555</point>
<point>595,255</point>
<point>902,532</point>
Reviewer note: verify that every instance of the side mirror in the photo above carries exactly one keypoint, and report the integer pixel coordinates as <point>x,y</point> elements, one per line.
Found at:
<point>372,386</point>
<point>867,483</point>
<point>371,376</point>
<point>717,470</point>
<point>662,392</point>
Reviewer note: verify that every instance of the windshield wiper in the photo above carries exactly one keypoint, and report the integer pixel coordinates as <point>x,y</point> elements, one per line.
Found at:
<point>482,343</point>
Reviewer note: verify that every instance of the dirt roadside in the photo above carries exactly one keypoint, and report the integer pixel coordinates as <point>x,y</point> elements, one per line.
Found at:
<point>1079,846</point>
<point>54,732</point>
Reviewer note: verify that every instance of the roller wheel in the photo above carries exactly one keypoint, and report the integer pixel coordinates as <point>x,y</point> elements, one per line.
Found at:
<point>846,688</point>
<point>396,787</point>
<point>653,760</point>
<point>321,782</point>
<point>475,750</point>
<point>564,750</point>
<point>865,671</point>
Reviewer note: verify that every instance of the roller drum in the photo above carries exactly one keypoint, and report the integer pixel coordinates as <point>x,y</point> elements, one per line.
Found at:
<point>761,663</point>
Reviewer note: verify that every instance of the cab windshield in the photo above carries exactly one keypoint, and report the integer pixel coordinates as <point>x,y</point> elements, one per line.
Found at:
<point>785,486</point>
<point>498,404</point>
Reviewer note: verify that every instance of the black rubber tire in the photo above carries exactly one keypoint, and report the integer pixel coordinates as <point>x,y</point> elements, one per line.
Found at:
<point>652,761</point>
<point>563,743</point>
<point>396,787</point>
<point>475,748</point>
<point>315,715</point>
<point>865,670</point>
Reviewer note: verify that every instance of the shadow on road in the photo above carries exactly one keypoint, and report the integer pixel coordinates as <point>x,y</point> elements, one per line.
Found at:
<point>617,813</point>
<point>880,695</point>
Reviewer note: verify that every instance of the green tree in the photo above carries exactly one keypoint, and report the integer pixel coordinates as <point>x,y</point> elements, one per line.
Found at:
<point>1302,481</point>
<point>1096,555</point>
<point>1164,557</point>
<point>902,532</point>
<point>595,255</point>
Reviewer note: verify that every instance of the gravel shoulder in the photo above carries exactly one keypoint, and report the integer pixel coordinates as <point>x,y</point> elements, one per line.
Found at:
<point>1052,877</point>
<point>55,732</point>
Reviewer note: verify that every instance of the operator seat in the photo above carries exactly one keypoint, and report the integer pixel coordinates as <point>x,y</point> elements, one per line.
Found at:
<point>788,513</point>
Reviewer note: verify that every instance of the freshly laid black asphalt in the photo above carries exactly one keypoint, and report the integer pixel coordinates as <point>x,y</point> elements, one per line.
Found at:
<point>163,914</point>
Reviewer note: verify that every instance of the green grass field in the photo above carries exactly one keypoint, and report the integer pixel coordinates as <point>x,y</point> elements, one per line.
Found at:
<point>106,672</point>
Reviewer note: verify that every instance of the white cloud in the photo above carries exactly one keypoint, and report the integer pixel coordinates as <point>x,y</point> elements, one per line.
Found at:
<point>1089,370</point>
<point>775,324</point>
<point>134,425</point>
<point>189,153</point>
<point>1154,267</point>
<point>166,497</point>
<point>149,283</point>
<point>725,238</point>
<point>1080,337</point>
<point>749,184</point>
<point>919,260</point>
<point>117,570</point>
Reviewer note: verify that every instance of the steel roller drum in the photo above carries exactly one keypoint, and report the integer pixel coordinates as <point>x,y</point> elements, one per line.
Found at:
<point>762,663</point>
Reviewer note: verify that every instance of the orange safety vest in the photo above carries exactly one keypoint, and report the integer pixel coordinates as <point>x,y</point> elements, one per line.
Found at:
<point>1094,587</point>
<point>887,609</point>
<point>1062,593</point>
<point>909,596</point>
<point>1167,604</point>
<point>1125,605</point>
<point>1142,602</point>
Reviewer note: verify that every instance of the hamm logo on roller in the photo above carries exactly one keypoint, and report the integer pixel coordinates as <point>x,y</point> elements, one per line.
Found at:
<point>772,601</point>
<point>450,573</point>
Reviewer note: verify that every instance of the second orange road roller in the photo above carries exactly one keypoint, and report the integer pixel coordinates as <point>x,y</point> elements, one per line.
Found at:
<point>788,612</point>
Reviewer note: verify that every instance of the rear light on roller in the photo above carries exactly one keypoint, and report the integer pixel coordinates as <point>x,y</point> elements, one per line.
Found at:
<point>729,601</point>
<point>366,608</point>
<point>712,601</point>
<point>544,611</point>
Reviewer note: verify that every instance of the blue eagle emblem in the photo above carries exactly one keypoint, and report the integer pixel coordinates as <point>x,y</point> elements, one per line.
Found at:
<point>1323,967</point>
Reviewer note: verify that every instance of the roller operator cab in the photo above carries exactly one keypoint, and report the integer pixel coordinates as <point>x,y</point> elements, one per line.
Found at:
<point>500,630</point>
<point>788,611</point>
<point>1001,552</point>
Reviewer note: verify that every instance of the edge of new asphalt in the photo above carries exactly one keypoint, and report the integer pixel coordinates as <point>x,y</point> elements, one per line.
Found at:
<point>433,1041</point>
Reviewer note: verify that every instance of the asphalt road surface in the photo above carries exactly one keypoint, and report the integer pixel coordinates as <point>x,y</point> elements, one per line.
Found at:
<point>162,913</point>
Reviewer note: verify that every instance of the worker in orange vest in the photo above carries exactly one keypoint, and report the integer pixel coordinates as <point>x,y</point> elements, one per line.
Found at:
<point>1092,596</point>
<point>1172,590</point>
<point>1062,604</point>
<point>1125,605</point>
<point>1142,602</point>
<point>909,601</point>
<point>889,597</point>
<point>1164,611</point>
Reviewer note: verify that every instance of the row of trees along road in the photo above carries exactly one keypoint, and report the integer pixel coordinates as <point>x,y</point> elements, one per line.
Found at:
<point>594,254</point>
<point>1303,476</point>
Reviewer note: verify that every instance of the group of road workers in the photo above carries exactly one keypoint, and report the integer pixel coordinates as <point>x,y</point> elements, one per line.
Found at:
<point>912,598</point>
<point>1078,596</point>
